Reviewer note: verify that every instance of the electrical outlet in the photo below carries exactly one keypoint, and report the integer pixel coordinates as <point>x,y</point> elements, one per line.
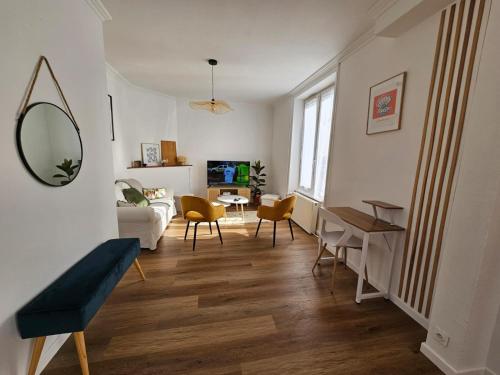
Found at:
<point>441,336</point>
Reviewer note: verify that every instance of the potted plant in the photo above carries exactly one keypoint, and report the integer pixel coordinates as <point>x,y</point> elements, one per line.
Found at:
<point>258,181</point>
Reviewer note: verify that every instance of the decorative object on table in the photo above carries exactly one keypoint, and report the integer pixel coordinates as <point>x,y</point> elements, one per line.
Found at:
<point>214,106</point>
<point>154,193</point>
<point>112,118</point>
<point>40,141</point>
<point>69,169</point>
<point>136,164</point>
<point>151,155</point>
<point>169,152</point>
<point>181,160</point>
<point>257,181</point>
<point>385,105</point>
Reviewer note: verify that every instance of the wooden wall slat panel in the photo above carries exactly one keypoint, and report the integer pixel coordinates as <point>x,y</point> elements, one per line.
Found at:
<point>456,150</point>
<point>437,106</point>
<point>439,151</point>
<point>446,152</point>
<point>422,147</point>
<point>437,158</point>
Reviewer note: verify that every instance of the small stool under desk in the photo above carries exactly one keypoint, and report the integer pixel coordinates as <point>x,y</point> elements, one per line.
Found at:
<point>371,225</point>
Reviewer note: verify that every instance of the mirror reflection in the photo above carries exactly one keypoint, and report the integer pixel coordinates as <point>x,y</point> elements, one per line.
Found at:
<point>49,144</point>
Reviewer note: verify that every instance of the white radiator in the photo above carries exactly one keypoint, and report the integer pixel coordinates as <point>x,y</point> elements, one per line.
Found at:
<point>305,213</point>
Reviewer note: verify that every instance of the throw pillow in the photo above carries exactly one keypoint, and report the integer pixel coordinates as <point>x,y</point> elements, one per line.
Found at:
<point>135,196</point>
<point>125,204</point>
<point>154,193</point>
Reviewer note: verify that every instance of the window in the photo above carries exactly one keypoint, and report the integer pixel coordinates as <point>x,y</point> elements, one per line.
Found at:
<point>316,130</point>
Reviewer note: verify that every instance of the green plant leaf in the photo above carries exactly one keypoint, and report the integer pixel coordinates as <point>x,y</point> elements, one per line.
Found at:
<point>59,175</point>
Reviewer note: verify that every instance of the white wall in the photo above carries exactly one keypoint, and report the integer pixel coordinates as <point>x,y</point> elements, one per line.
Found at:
<point>244,134</point>
<point>140,116</point>
<point>45,230</point>
<point>493,361</point>
<point>280,154</point>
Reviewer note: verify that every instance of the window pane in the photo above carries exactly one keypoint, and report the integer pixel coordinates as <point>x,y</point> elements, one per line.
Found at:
<point>308,144</point>
<point>323,146</point>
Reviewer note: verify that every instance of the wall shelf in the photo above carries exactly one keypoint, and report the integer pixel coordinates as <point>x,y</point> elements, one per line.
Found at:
<point>162,166</point>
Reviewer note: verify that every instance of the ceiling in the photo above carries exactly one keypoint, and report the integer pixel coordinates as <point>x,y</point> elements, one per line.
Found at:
<point>265,48</point>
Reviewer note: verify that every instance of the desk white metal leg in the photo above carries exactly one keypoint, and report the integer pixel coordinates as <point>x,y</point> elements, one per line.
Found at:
<point>242,213</point>
<point>364,254</point>
<point>392,249</point>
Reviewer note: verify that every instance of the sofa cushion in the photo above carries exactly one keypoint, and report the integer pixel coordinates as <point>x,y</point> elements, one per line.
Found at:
<point>154,193</point>
<point>70,302</point>
<point>125,204</point>
<point>133,195</point>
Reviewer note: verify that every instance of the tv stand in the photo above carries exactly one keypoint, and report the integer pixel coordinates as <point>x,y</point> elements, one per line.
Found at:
<point>213,192</point>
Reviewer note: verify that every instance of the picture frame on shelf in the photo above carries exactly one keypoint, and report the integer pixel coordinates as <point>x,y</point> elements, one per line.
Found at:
<point>385,105</point>
<point>151,154</point>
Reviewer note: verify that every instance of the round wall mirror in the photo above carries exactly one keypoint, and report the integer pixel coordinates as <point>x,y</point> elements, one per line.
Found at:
<point>49,144</point>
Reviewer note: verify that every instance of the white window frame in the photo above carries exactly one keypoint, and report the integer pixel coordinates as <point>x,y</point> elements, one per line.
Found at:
<point>310,192</point>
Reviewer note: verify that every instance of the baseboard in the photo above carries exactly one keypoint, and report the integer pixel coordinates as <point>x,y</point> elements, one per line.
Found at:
<point>50,349</point>
<point>447,368</point>
<point>420,319</point>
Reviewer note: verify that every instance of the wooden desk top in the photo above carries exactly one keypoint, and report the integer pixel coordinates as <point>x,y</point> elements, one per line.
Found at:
<point>387,206</point>
<point>365,222</point>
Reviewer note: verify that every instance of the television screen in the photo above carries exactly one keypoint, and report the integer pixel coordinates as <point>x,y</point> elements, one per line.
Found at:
<point>228,172</point>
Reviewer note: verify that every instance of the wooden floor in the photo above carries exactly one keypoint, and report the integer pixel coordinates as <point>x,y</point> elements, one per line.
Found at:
<point>243,308</point>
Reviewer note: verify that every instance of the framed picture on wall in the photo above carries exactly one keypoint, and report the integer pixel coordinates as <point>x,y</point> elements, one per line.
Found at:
<point>385,105</point>
<point>151,155</point>
<point>112,119</point>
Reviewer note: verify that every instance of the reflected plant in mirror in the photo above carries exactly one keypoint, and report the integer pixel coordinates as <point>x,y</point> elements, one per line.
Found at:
<point>68,168</point>
<point>49,142</point>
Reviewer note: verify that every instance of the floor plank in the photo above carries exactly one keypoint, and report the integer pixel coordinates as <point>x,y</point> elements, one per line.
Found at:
<point>243,308</point>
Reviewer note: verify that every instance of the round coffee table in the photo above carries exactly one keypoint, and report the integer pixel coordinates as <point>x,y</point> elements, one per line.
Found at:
<point>234,199</point>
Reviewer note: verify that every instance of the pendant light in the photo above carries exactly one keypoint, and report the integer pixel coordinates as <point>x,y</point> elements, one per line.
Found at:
<point>215,106</point>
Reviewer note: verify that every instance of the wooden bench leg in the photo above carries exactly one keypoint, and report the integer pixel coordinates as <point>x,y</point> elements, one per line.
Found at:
<point>35,356</point>
<point>82,352</point>
<point>139,269</point>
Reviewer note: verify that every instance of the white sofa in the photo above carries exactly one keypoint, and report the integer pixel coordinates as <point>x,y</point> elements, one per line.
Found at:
<point>145,223</point>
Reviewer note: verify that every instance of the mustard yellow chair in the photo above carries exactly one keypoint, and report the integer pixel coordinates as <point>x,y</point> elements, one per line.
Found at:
<point>282,210</point>
<point>200,210</point>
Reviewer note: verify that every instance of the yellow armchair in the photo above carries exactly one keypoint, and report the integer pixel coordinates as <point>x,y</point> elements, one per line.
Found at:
<point>282,210</point>
<point>200,210</point>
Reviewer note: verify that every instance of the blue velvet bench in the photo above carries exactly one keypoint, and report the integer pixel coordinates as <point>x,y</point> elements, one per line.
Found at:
<point>69,303</point>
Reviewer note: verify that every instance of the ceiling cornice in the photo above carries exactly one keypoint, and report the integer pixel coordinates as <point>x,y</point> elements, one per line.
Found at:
<point>380,6</point>
<point>331,66</point>
<point>110,68</point>
<point>98,7</point>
